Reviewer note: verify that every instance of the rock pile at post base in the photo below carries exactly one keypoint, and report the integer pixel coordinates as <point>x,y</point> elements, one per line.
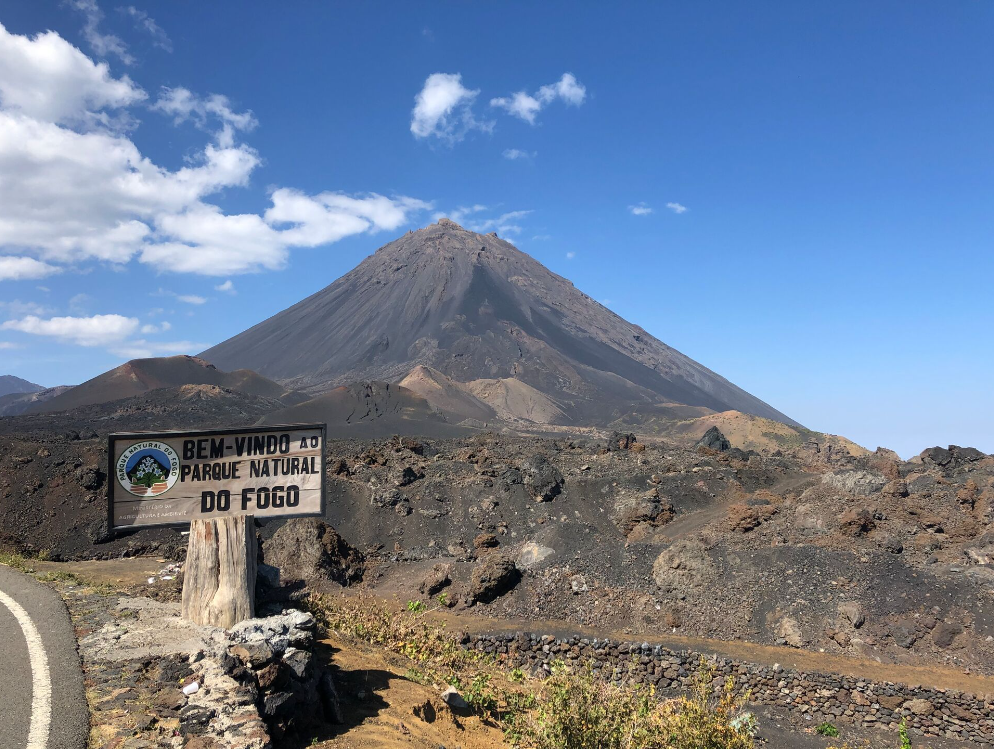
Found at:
<point>155,680</point>
<point>823,697</point>
<point>273,657</point>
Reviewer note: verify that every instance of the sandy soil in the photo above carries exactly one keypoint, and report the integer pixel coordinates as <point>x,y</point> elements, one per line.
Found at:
<point>379,703</point>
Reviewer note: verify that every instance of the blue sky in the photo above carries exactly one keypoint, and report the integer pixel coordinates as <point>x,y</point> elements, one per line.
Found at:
<point>829,167</point>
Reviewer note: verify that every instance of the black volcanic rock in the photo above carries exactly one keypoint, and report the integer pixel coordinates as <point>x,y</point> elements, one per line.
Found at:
<point>713,439</point>
<point>475,308</point>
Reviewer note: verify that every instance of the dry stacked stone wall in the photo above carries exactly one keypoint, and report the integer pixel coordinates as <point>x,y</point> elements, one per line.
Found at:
<point>822,696</point>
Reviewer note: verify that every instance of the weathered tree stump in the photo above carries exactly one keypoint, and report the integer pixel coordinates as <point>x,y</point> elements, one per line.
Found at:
<point>219,574</point>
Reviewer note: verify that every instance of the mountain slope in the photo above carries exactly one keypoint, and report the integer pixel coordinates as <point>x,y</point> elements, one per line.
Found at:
<point>369,410</point>
<point>10,384</point>
<point>139,376</point>
<point>17,403</point>
<point>475,307</point>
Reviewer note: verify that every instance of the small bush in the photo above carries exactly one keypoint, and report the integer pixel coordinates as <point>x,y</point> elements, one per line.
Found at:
<point>826,729</point>
<point>579,711</point>
<point>570,710</point>
<point>15,560</point>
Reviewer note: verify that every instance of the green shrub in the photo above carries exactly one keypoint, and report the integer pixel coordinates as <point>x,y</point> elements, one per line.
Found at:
<point>903,732</point>
<point>826,729</point>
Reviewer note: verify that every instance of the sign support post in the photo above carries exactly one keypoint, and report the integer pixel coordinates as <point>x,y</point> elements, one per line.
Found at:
<point>220,572</point>
<point>218,482</point>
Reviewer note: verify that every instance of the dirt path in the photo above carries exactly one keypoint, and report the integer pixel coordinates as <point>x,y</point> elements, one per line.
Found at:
<point>792,658</point>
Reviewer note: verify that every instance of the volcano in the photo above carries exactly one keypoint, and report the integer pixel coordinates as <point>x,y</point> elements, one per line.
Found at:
<point>485,327</point>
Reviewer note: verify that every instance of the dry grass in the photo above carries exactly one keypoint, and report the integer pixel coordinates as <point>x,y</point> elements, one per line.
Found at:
<point>571,709</point>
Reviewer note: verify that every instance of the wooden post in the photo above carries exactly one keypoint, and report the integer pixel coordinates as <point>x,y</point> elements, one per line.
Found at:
<point>220,570</point>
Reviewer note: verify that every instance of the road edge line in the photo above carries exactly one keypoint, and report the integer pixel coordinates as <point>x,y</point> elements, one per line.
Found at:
<point>41,683</point>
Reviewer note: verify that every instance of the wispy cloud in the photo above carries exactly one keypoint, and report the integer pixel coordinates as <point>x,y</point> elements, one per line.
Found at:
<point>469,217</point>
<point>227,287</point>
<point>146,23</point>
<point>570,255</point>
<point>142,349</point>
<point>182,105</point>
<point>527,106</point>
<point>640,209</point>
<point>515,154</point>
<point>101,42</point>
<point>677,208</point>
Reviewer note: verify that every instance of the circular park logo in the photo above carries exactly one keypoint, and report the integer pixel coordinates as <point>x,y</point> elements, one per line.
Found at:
<point>147,469</point>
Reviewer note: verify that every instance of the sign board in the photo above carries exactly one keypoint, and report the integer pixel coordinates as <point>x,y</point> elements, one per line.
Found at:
<point>171,478</point>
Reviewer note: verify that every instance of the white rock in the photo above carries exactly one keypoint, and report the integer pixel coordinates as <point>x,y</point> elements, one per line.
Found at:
<point>532,553</point>
<point>191,688</point>
<point>452,698</point>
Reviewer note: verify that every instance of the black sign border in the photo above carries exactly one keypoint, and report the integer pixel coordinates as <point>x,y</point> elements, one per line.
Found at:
<point>117,436</point>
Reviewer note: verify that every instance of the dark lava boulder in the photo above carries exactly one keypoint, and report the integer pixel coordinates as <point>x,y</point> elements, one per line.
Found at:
<point>437,578</point>
<point>621,441</point>
<point>493,578</point>
<point>649,508</point>
<point>949,457</point>
<point>857,522</point>
<point>310,549</point>
<point>542,479</point>
<point>713,439</point>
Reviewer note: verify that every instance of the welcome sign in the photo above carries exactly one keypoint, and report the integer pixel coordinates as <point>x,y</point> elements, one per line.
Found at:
<point>171,478</point>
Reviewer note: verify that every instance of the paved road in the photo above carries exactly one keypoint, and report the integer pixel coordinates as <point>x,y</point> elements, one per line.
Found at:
<point>41,683</point>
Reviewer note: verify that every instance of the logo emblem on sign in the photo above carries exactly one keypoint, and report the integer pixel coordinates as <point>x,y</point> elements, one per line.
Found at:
<point>147,469</point>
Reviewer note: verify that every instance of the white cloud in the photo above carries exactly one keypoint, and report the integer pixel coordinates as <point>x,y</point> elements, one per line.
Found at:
<point>143,349</point>
<point>147,24</point>
<point>527,106</point>
<point>514,154</point>
<point>98,330</point>
<point>182,105</point>
<point>330,216</point>
<point>160,328</point>
<point>566,88</point>
<point>677,208</point>
<point>228,287</point>
<point>20,268</point>
<point>102,43</point>
<point>76,188</point>
<point>506,223</point>
<point>444,109</point>
<point>112,332</point>
<point>640,210</point>
<point>570,255</point>
<point>8,345</point>
<point>48,79</point>
<point>520,105</point>
<point>71,196</point>
<point>191,299</point>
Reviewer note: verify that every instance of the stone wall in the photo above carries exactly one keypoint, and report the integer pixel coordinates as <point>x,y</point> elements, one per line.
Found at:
<point>822,696</point>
